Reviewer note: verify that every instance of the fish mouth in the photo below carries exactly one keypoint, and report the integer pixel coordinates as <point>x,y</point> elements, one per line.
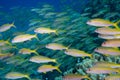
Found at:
<point>88,22</point>
<point>96,30</point>
<point>95,50</point>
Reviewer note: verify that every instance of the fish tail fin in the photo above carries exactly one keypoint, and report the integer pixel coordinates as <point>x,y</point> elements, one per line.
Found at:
<point>89,78</point>
<point>27,76</point>
<point>57,68</point>
<point>58,30</point>
<point>86,76</point>
<point>116,24</point>
<point>91,56</point>
<point>37,37</point>
<point>36,53</point>
<point>55,60</point>
<point>56,33</point>
<point>13,24</point>
<point>8,41</point>
<point>68,46</point>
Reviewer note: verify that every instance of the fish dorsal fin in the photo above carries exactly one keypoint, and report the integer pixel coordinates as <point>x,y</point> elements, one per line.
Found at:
<point>57,68</point>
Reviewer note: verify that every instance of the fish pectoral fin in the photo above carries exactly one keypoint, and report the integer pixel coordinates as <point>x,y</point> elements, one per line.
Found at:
<point>28,77</point>
<point>59,70</point>
<point>13,24</point>
<point>36,53</point>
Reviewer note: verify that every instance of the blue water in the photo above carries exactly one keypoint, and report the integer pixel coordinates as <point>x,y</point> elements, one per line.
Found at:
<point>69,19</point>
<point>28,3</point>
<point>58,4</point>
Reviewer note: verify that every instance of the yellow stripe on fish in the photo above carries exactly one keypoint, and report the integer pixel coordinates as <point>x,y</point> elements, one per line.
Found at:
<point>106,64</point>
<point>102,70</point>
<point>77,53</point>
<point>16,75</point>
<point>6,27</point>
<point>103,36</point>
<point>108,51</point>
<point>75,77</point>
<point>107,31</point>
<point>44,30</point>
<point>102,23</point>
<point>24,37</point>
<point>111,43</point>
<point>56,46</point>
<point>4,42</point>
<point>27,51</point>
<point>42,59</point>
<point>47,68</point>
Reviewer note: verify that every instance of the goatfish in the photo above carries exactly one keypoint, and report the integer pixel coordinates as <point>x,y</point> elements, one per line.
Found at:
<point>7,47</point>
<point>44,30</point>
<point>56,46</point>
<point>102,23</point>
<point>113,77</point>
<point>6,55</point>
<point>27,51</point>
<point>16,75</point>
<point>111,43</point>
<point>41,59</point>
<point>6,27</point>
<point>102,70</point>
<point>47,68</point>
<point>4,42</point>
<point>107,31</point>
<point>77,53</point>
<point>109,36</point>
<point>106,64</point>
<point>75,77</point>
<point>108,51</point>
<point>24,37</point>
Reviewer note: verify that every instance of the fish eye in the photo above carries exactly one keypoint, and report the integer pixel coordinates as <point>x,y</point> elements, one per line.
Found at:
<point>66,51</point>
<point>89,21</point>
<point>46,45</point>
<point>104,42</point>
<point>89,69</point>
<point>96,30</point>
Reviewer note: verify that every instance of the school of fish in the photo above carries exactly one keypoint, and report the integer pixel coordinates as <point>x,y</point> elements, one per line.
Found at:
<point>46,64</point>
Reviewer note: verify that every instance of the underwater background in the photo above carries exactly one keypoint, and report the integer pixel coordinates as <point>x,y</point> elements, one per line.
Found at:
<point>52,39</point>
